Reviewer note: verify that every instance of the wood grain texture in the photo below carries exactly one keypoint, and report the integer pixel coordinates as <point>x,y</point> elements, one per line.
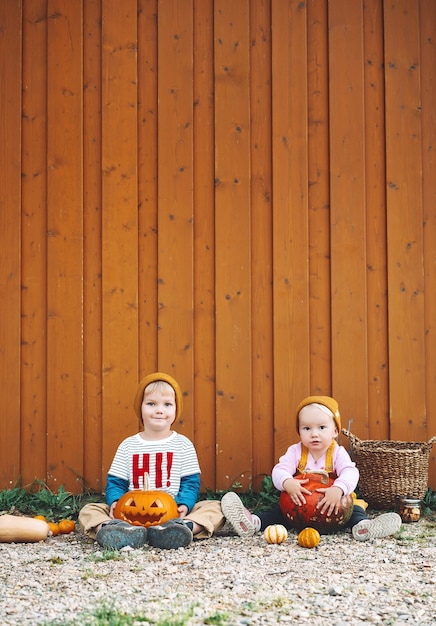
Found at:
<point>119,224</point>
<point>239,193</point>
<point>233,243</point>
<point>348,214</point>
<point>64,245</point>
<point>405,221</point>
<point>175,200</point>
<point>290,219</point>
<point>34,244</point>
<point>427,18</point>
<point>10,240</point>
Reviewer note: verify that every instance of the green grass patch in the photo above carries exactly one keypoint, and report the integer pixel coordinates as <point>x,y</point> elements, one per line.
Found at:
<point>108,615</point>
<point>39,499</point>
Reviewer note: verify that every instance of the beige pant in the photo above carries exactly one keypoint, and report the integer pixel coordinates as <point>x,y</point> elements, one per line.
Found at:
<point>206,513</point>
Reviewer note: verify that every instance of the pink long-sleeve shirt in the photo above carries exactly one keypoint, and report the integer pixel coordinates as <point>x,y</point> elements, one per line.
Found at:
<point>344,468</point>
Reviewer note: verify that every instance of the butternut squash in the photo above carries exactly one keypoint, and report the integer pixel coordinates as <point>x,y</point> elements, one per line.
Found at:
<point>14,529</point>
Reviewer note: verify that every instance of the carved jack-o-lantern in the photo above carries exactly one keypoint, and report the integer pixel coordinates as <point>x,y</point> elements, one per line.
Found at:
<point>146,507</point>
<point>307,514</point>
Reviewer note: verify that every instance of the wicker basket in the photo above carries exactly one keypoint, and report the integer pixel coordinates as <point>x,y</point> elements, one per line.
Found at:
<point>390,469</point>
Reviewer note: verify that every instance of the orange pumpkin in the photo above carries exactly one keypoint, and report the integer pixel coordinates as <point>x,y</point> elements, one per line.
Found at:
<point>275,533</point>
<point>307,514</point>
<point>309,538</point>
<point>54,529</point>
<point>145,507</point>
<point>66,526</point>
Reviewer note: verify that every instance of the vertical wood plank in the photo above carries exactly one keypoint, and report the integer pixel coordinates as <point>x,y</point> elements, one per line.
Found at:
<point>376,244</point>
<point>319,199</point>
<point>427,20</point>
<point>10,238</point>
<point>250,80</point>
<point>147,185</point>
<point>233,243</point>
<point>175,198</point>
<point>34,243</point>
<point>119,223</point>
<point>405,219</point>
<point>261,226</point>
<point>347,197</point>
<point>65,245</point>
<point>92,266</point>
<point>290,221</point>
<point>204,241</point>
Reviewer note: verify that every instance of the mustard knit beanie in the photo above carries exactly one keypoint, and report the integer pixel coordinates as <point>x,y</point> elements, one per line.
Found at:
<point>152,378</point>
<point>326,401</point>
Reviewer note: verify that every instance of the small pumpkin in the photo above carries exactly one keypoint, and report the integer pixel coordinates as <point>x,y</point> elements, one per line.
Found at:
<point>275,533</point>
<point>307,514</point>
<point>308,538</point>
<point>145,507</point>
<point>66,526</point>
<point>54,528</point>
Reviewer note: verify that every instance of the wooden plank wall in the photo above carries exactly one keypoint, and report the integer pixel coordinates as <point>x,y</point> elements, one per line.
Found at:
<point>242,194</point>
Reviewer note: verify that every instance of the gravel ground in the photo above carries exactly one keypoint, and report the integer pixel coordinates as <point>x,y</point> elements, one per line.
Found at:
<point>224,580</point>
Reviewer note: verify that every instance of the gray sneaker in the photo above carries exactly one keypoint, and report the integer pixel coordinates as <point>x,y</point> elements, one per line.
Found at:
<point>117,534</point>
<point>170,535</point>
<point>382,526</point>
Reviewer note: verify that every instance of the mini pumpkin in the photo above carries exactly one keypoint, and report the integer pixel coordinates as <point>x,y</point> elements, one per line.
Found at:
<point>66,526</point>
<point>145,507</point>
<point>307,514</point>
<point>54,529</point>
<point>275,533</point>
<point>308,538</point>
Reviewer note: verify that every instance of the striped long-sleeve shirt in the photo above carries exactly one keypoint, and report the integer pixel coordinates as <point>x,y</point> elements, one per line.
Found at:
<point>171,463</point>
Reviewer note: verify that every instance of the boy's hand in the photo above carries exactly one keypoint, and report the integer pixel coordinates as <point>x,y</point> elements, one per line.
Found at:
<point>111,510</point>
<point>296,490</point>
<point>183,510</point>
<point>331,501</point>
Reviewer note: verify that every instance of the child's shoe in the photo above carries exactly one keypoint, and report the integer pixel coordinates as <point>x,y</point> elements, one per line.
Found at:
<point>237,515</point>
<point>170,535</point>
<point>381,526</point>
<point>117,534</point>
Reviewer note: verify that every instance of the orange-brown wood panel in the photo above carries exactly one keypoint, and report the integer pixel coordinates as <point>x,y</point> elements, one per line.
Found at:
<point>319,199</point>
<point>261,255</point>
<point>290,221</point>
<point>92,261</point>
<point>204,241</point>
<point>240,193</point>
<point>175,198</point>
<point>348,216</point>
<point>64,245</point>
<point>376,248</point>
<point>428,81</point>
<point>405,221</point>
<point>10,234</point>
<point>233,243</point>
<point>119,224</point>
<point>34,244</point>
<point>147,185</point>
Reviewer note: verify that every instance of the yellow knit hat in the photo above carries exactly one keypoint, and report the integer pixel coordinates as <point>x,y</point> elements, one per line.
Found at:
<point>152,378</point>
<point>326,401</point>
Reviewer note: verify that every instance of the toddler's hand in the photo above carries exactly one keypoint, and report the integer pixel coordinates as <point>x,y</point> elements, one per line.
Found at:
<point>331,500</point>
<point>296,490</point>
